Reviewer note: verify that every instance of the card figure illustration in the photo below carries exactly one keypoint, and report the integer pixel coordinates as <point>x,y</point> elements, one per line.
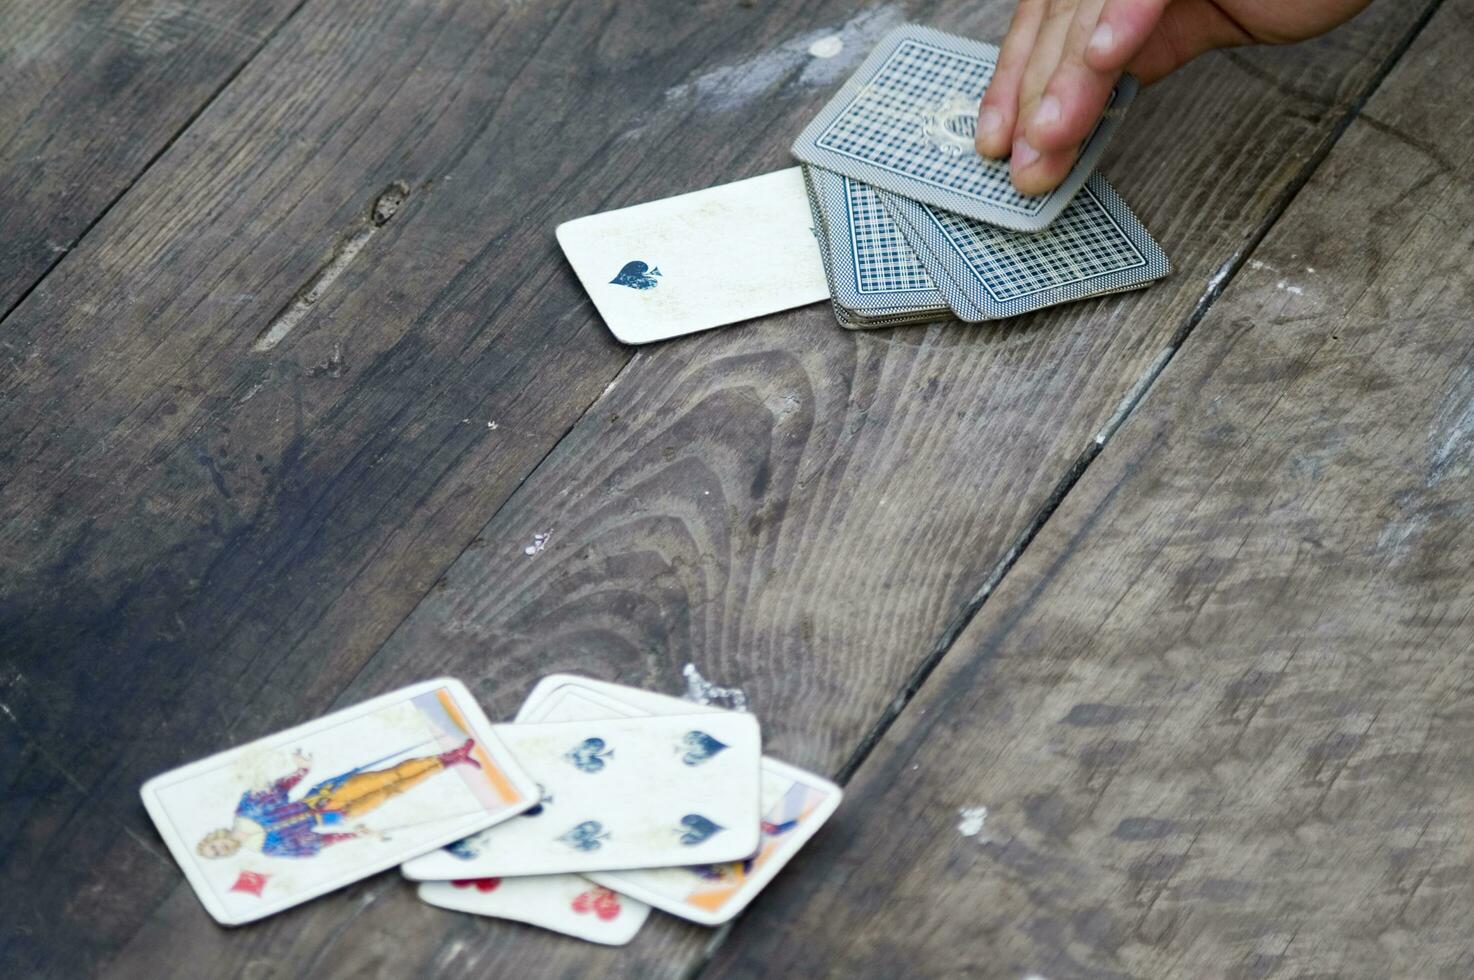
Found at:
<point>271,824</point>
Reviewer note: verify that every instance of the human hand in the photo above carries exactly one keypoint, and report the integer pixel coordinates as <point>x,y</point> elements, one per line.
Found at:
<point>1062,58</point>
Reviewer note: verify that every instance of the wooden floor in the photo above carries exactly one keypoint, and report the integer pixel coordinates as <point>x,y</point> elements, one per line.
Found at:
<point>1176,585</point>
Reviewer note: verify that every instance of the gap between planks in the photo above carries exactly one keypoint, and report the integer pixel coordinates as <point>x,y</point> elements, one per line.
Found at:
<point>148,164</point>
<point>1227,272</point>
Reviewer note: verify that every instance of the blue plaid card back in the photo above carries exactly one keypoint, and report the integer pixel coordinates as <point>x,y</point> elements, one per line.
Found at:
<point>905,121</point>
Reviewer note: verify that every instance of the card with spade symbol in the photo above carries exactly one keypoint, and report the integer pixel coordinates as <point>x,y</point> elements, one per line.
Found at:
<point>621,793</point>
<point>699,260</point>
<point>795,805</point>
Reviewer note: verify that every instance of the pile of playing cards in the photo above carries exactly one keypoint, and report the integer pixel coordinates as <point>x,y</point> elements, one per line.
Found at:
<point>597,803</point>
<point>912,225</point>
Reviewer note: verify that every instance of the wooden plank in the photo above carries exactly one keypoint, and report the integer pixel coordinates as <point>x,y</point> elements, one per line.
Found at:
<point>803,512</point>
<point>138,520</point>
<point>1219,715</point>
<point>92,93</point>
<point>200,540</point>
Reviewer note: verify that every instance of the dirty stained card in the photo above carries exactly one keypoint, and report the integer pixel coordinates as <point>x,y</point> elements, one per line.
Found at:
<point>568,904</point>
<point>795,805</point>
<point>906,120</point>
<point>271,824</point>
<point>621,793</point>
<point>700,260</point>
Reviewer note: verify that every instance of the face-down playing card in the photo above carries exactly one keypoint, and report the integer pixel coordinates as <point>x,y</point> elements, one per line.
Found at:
<point>294,815</point>
<point>699,260</point>
<point>621,793</point>
<point>875,278</point>
<point>795,805</point>
<point>905,122</point>
<point>1096,247</point>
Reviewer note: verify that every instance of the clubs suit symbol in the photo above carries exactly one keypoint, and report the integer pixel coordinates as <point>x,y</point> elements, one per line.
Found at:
<point>587,836</point>
<point>590,755</point>
<point>696,829</point>
<point>697,747</point>
<point>636,275</point>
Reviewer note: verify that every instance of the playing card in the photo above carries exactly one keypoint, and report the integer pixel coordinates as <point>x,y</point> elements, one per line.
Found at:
<point>905,122</point>
<point>874,271</point>
<point>795,805</point>
<point>568,904</point>
<point>271,824</point>
<point>1096,247</point>
<point>621,793</point>
<point>699,260</point>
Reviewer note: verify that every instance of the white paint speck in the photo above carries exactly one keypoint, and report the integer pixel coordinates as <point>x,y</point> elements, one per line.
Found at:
<point>971,819</point>
<point>492,425</point>
<point>539,542</point>
<point>827,47</point>
<point>796,61</point>
<point>703,691</point>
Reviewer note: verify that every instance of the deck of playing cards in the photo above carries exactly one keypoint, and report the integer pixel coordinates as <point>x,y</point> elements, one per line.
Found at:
<point>905,222</point>
<point>913,224</point>
<point>598,802</point>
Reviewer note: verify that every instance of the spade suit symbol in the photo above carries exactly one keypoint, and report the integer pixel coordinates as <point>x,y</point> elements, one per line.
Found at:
<point>590,755</point>
<point>636,275</point>
<point>695,829</point>
<point>697,747</point>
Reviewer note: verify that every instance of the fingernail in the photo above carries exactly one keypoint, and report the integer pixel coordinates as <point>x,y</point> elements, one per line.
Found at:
<point>990,122</point>
<point>1048,112</point>
<point>1024,155</point>
<point>1103,41</point>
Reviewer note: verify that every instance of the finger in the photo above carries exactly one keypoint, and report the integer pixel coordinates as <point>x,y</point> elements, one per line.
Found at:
<point>1121,31</point>
<point>1046,54</point>
<point>998,113</point>
<point>1075,94</point>
<point>1032,168</point>
<point>1188,29</point>
<point>1039,173</point>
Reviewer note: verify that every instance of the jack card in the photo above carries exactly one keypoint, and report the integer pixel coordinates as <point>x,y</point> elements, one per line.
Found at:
<point>260,828</point>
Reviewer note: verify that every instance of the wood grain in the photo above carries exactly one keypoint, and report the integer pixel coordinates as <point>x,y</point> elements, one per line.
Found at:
<point>93,92</point>
<point>201,542</point>
<point>804,512</point>
<point>1219,713</point>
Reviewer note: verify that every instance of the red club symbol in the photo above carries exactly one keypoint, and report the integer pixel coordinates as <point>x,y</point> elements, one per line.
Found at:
<point>603,902</point>
<point>250,882</point>
<point>480,884</point>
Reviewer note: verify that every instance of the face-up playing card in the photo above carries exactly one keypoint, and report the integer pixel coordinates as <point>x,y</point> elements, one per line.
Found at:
<point>699,260</point>
<point>795,805</point>
<point>874,274</point>
<point>621,793</point>
<point>1096,247</point>
<point>905,122</point>
<point>568,904</point>
<point>271,824</point>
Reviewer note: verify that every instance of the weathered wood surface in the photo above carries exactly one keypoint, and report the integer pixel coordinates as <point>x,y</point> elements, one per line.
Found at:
<point>201,542</point>
<point>92,93</point>
<point>804,512</point>
<point>1219,713</point>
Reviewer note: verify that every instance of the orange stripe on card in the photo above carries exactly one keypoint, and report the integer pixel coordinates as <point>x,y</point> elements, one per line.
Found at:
<point>489,769</point>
